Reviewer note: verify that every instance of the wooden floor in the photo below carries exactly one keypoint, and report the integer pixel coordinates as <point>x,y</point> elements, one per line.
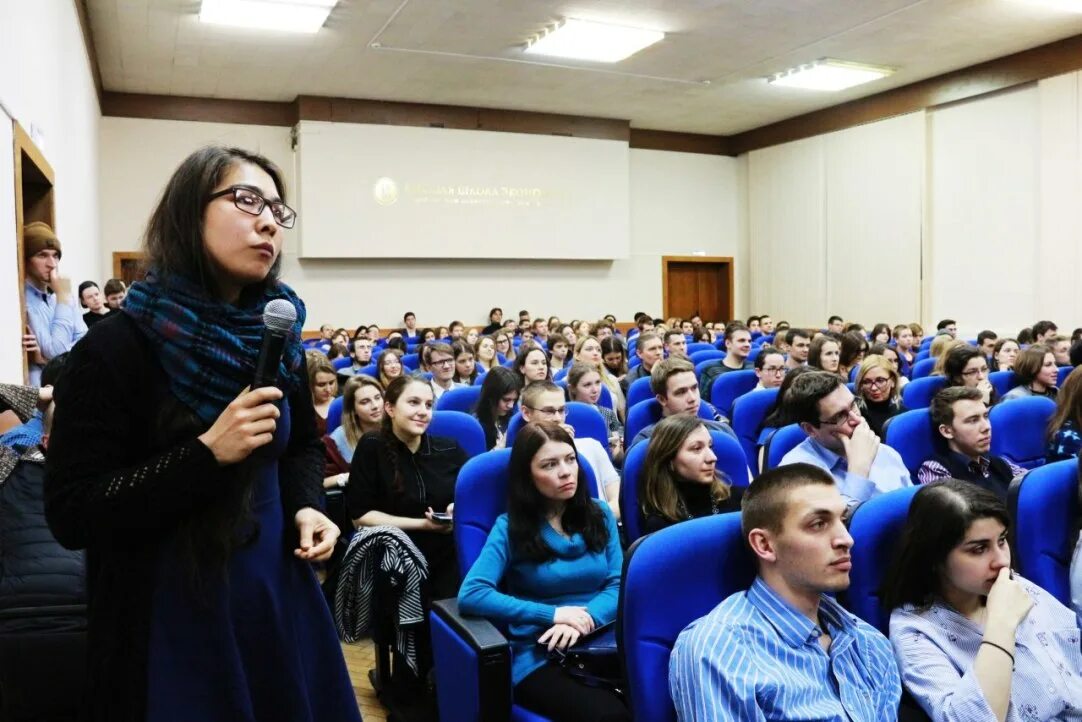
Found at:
<point>360,658</point>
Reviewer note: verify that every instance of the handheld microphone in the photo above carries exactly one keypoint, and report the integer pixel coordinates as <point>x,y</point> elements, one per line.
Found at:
<point>279,316</point>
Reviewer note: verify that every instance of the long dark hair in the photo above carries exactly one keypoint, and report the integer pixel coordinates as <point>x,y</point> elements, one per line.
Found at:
<point>173,241</point>
<point>955,363</point>
<point>526,507</point>
<point>497,383</point>
<point>939,516</point>
<point>778,415</point>
<point>393,392</point>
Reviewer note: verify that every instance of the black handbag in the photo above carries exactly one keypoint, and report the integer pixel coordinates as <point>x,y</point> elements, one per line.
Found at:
<point>593,660</point>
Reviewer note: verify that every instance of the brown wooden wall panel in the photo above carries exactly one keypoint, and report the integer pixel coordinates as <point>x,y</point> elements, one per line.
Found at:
<point>208,110</point>
<point>680,142</point>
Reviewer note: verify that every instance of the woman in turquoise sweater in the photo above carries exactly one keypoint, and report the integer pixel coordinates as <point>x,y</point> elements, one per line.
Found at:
<point>550,571</point>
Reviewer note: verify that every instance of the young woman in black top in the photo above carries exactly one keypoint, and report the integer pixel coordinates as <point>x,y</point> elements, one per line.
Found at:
<point>401,475</point>
<point>680,479</point>
<point>499,396</point>
<point>877,392</point>
<point>967,366</point>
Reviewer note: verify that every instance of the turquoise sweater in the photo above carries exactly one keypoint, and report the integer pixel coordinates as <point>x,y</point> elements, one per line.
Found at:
<point>524,594</point>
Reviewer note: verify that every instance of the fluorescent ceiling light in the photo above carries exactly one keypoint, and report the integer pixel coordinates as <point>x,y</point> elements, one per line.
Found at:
<point>585,40</point>
<point>1070,6</point>
<point>293,16</point>
<point>828,74</point>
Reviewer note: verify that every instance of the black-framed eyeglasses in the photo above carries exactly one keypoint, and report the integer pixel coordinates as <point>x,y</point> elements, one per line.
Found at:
<point>251,202</point>
<point>842,416</point>
<point>550,410</point>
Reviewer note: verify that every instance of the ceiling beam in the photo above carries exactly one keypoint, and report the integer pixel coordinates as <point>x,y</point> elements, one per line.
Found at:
<point>90,47</point>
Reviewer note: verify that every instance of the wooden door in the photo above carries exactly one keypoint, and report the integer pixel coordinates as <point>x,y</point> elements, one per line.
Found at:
<point>697,285</point>
<point>128,266</point>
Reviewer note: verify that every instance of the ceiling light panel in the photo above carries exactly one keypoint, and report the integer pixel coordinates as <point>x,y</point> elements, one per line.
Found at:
<point>829,74</point>
<point>1069,6</point>
<point>293,16</point>
<point>587,40</point>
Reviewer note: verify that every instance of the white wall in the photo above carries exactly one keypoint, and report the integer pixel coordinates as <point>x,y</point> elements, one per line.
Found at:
<point>45,84</point>
<point>680,204</point>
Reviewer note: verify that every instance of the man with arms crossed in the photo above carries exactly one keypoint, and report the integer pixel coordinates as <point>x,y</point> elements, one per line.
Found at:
<point>784,649</point>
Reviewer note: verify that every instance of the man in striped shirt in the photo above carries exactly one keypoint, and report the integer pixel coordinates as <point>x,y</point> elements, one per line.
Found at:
<point>784,649</point>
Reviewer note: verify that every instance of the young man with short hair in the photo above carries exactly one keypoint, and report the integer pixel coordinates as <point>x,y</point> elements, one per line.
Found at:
<point>766,325</point>
<point>986,342</point>
<point>1043,330</point>
<point>961,420</point>
<point>737,348</point>
<point>799,342</point>
<point>785,649</point>
<point>903,344</point>
<point>409,326</point>
<point>687,327</point>
<point>545,401</point>
<point>115,290</point>
<point>675,388</point>
<point>769,368</point>
<point>455,330</point>
<point>441,362</point>
<point>840,440</point>
<point>650,349</point>
<point>752,324</point>
<point>947,326</point>
<point>644,324</point>
<point>675,344</point>
<point>540,330</point>
<point>360,355</point>
<point>1060,346</point>
<point>835,324</point>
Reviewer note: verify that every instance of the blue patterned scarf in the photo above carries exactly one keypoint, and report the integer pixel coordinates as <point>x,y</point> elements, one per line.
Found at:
<point>209,348</point>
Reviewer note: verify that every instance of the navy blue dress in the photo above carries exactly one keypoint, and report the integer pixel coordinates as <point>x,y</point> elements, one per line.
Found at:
<point>261,648</point>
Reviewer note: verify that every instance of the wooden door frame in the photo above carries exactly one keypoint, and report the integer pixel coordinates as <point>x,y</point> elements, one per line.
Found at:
<point>120,256</point>
<point>23,144</point>
<point>666,260</point>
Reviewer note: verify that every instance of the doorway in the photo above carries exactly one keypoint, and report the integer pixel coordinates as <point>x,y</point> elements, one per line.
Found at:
<point>697,285</point>
<point>128,266</point>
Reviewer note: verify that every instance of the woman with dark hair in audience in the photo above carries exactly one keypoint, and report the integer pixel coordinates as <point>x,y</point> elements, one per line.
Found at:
<point>1005,354</point>
<point>568,333</point>
<point>614,356</point>
<point>532,364</point>
<point>1065,426</point>
<point>401,475</point>
<point>550,571</point>
<point>362,412</point>
<point>505,346</point>
<point>965,365</point>
<point>559,350</point>
<point>892,357</point>
<point>880,334</point>
<point>465,367</point>
<point>584,384</point>
<point>1025,337</point>
<point>442,333</point>
<point>825,355</point>
<point>389,366</point>
<point>701,334</point>
<point>324,384</point>
<point>588,351</point>
<point>680,478</point>
<point>1037,374</point>
<point>853,349</point>
<point>877,392</point>
<point>975,641</point>
<point>500,390</point>
<point>484,353</point>
<point>197,499</point>
<point>428,334</point>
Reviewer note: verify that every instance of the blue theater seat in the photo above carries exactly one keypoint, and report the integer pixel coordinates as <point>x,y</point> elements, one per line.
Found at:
<point>780,443</point>
<point>922,368</point>
<point>1003,381</point>
<point>459,399</point>
<point>918,393</point>
<point>699,357</point>
<point>1019,429</point>
<point>639,390</point>
<point>583,418</point>
<point>412,361</point>
<point>694,347</point>
<point>1044,508</point>
<point>341,362</point>
<point>913,436</point>
<point>749,411</point>
<point>1064,372</point>
<point>461,427</point>
<point>334,414</point>
<point>730,386</point>
<point>648,412</point>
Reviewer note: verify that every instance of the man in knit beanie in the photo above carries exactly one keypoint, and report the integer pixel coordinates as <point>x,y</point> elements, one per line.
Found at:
<point>54,322</point>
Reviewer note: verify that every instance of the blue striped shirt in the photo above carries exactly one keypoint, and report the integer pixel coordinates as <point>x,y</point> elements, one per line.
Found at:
<point>756,658</point>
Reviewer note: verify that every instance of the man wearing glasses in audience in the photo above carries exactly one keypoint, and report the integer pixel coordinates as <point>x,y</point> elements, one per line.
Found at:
<point>840,440</point>
<point>770,368</point>
<point>441,362</point>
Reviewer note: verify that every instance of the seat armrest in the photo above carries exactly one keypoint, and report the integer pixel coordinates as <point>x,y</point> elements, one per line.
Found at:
<point>472,664</point>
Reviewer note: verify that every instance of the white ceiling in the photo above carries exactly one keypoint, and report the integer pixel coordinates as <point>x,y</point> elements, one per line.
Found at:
<point>469,52</point>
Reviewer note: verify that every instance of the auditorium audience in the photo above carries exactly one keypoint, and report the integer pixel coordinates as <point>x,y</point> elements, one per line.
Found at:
<point>799,342</point>
<point>389,366</point>
<point>362,412</point>
<point>904,343</point>
<point>877,393</point>
<point>531,364</point>
<point>495,322</point>
<point>500,390</point>
<point>545,401</point>
<point>401,475</point>
<point>960,418</point>
<point>465,366</point>
<point>824,354</point>
<point>650,349</point>
<point>1004,354</point>
<point>441,362</point>
<point>676,343</point>
<point>559,351</point>
<point>785,649</point>
<point>550,572</point>
<point>1037,374</point>
<point>973,640</point>
<point>680,479</point>
<point>840,439</point>
<point>588,351</point>
<point>324,384</point>
<point>91,298</point>
<point>584,384</point>
<point>853,349</point>
<point>769,368</point>
<point>674,387</point>
<point>1044,331</point>
<point>737,348</point>
<point>1065,426</point>
<point>986,342</point>
<point>967,366</point>
<point>484,353</point>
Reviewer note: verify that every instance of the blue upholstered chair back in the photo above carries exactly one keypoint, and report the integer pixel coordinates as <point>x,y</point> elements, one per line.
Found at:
<point>914,437</point>
<point>918,393</point>
<point>1044,507</point>
<point>1019,429</point>
<point>729,387</point>
<point>461,427</point>
<point>748,413</point>
<point>459,399</point>
<point>334,414</point>
<point>780,443</point>
<point>1003,381</point>
<point>639,390</point>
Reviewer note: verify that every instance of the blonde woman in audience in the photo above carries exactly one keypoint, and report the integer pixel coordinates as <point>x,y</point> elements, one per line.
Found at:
<point>891,355</point>
<point>584,384</point>
<point>825,354</point>
<point>484,353</point>
<point>588,351</point>
<point>1004,354</point>
<point>559,350</point>
<point>505,346</point>
<point>939,345</point>
<point>323,381</point>
<point>389,366</point>
<point>877,392</point>
<point>362,412</point>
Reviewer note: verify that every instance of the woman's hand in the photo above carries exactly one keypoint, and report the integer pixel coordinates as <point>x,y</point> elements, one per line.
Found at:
<point>318,535</point>
<point>1008,602</point>
<point>243,426</point>
<point>337,481</point>
<point>559,636</point>
<point>441,527</point>
<point>985,387</point>
<point>577,617</point>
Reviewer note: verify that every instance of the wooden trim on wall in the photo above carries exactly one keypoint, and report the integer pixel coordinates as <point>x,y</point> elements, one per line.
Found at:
<point>1010,71</point>
<point>666,260</point>
<point>120,256</point>
<point>207,110</point>
<point>680,142</point>
<point>91,48</point>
